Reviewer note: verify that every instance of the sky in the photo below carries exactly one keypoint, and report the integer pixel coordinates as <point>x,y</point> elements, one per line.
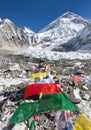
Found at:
<point>36,14</point>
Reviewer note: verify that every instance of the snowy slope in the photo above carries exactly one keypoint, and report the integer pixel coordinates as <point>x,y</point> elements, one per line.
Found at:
<point>30,34</point>
<point>84,36</point>
<point>28,31</point>
<point>81,42</point>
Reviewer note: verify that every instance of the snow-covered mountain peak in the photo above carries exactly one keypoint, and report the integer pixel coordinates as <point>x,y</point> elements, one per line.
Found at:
<point>59,31</point>
<point>66,18</point>
<point>4,22</point>
<point>7,21</point>
<point>71,15</point>
<point>27,30</point>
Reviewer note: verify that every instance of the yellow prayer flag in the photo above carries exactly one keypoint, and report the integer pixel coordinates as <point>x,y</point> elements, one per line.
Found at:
<point>82,123</point>
<point>40,74</point>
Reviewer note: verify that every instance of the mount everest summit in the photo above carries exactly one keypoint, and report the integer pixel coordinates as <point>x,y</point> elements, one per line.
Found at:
<point>60,31</point>
<point>69,32</point>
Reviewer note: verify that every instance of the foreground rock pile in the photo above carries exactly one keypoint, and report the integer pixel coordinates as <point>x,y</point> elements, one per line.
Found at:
<point>14,76</point>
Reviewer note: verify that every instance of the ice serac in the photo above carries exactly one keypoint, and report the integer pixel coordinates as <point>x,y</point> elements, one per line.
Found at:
<point>12,37</point>
<point>59,31</point>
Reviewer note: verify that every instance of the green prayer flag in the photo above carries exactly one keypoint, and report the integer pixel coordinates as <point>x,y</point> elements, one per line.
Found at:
<point>49,102</point>
<point>32,125</point>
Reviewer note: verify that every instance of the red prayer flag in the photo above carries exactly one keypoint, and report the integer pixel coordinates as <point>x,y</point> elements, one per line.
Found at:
<point>33,89</point>
<point>76,78</point>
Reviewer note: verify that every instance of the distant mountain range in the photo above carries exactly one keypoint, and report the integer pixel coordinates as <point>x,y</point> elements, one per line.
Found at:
<point>69,32</point>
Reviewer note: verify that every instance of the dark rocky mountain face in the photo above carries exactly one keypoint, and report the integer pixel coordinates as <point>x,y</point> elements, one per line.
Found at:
<point>12,37</point>
<point>81,42</point>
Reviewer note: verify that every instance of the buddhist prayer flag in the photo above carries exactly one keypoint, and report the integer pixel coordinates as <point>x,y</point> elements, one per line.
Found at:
<point>39,70</point>
<point>62,121</point>
<point>38,74</point>
<point>48,102</point>
<point>82,123</point>
<point>33,89</point>
<point>76,78</point>
<point>32,125</point>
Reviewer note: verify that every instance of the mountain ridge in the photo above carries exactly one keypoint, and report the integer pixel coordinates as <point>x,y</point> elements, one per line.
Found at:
<point>55,36</point>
